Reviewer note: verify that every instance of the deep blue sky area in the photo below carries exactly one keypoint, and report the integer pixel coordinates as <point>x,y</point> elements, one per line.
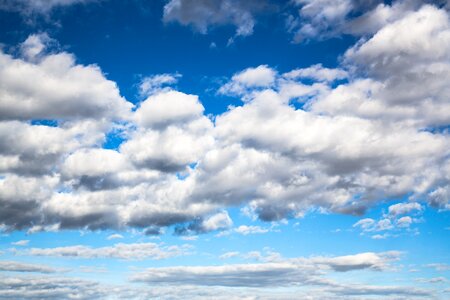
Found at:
<point>129,40</point>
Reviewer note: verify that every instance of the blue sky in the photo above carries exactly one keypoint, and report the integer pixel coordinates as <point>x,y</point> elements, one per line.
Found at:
<point>224,149</point>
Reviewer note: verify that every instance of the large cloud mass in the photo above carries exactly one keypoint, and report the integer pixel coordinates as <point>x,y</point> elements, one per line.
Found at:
<point>336,139</point>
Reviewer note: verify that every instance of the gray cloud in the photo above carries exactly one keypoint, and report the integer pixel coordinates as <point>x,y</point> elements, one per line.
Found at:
<point>286,272</point>
<point>206,13</point>
<point>15,266</point>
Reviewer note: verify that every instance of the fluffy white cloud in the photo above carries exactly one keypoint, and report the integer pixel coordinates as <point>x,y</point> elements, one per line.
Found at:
<point>165,109</point>
<point>404,208</point>
<point>347,147</point>
<point>220,220</point>
<point>258,77</point>
<point>55,87</point>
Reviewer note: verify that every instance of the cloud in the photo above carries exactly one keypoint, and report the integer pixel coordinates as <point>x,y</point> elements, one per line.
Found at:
<point>439,266</point>
<point>282,273</point>
<point>44,287</point>
<point>114,236</point>
<point>317,72</point>
<point>138,251</point>
<point>204,14</point>
<point>157,83</point>
<point>375,261</point>
<point>321,19</point>
<point>55,87</point>
<point>37,6</point>
<point>299,141</point>
<point>14,266</point>
<point>404,209</point>
<point>245,230</point>
<point>258,77</point>
<point>21,243</point>
<point>218,221</point>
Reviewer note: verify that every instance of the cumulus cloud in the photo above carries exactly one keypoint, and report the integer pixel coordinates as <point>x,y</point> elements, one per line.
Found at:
<point>404,208</point>
<point>340,140</point>
<point>318,19</point>
<point>55,87</point>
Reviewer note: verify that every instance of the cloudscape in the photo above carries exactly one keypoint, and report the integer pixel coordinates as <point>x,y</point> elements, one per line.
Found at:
<point>224,149</point>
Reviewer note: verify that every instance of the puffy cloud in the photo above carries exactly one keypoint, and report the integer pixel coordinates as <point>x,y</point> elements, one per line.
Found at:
<point>317,16</point>
<point>138,251</point>
<point>318,19</point>
<point>165,109</point>
<point>404,208</point>
<point>206,13</point>
<point>348,146</point>
<point>259,77</point>
<point>399,68</point>
<point>404,221</point>
<point>218,221</point>
<point>55,87</point>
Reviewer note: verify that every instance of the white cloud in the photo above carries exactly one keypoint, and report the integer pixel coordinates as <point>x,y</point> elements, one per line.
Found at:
<point>21,243</point>
<point>245,230</point>
<point>38,6</point>
<point>114,236</point>
<point>317,72</point>
<point>218,221</point>
<point>55,87</point>
<point>349,146</point>
<point>15,266</point>
<point>157,83</point>
<point>230,254</point>
<point>258,77</point>
<point>170,107</point>
<point>138,251</point>
<point>285,272</point>
<point>404,208</point>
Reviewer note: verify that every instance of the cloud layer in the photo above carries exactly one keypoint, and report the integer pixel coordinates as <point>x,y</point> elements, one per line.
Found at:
<point>339,140</point>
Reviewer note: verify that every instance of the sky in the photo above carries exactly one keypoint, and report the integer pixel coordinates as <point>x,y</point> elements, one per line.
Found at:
<point>224,149</point>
